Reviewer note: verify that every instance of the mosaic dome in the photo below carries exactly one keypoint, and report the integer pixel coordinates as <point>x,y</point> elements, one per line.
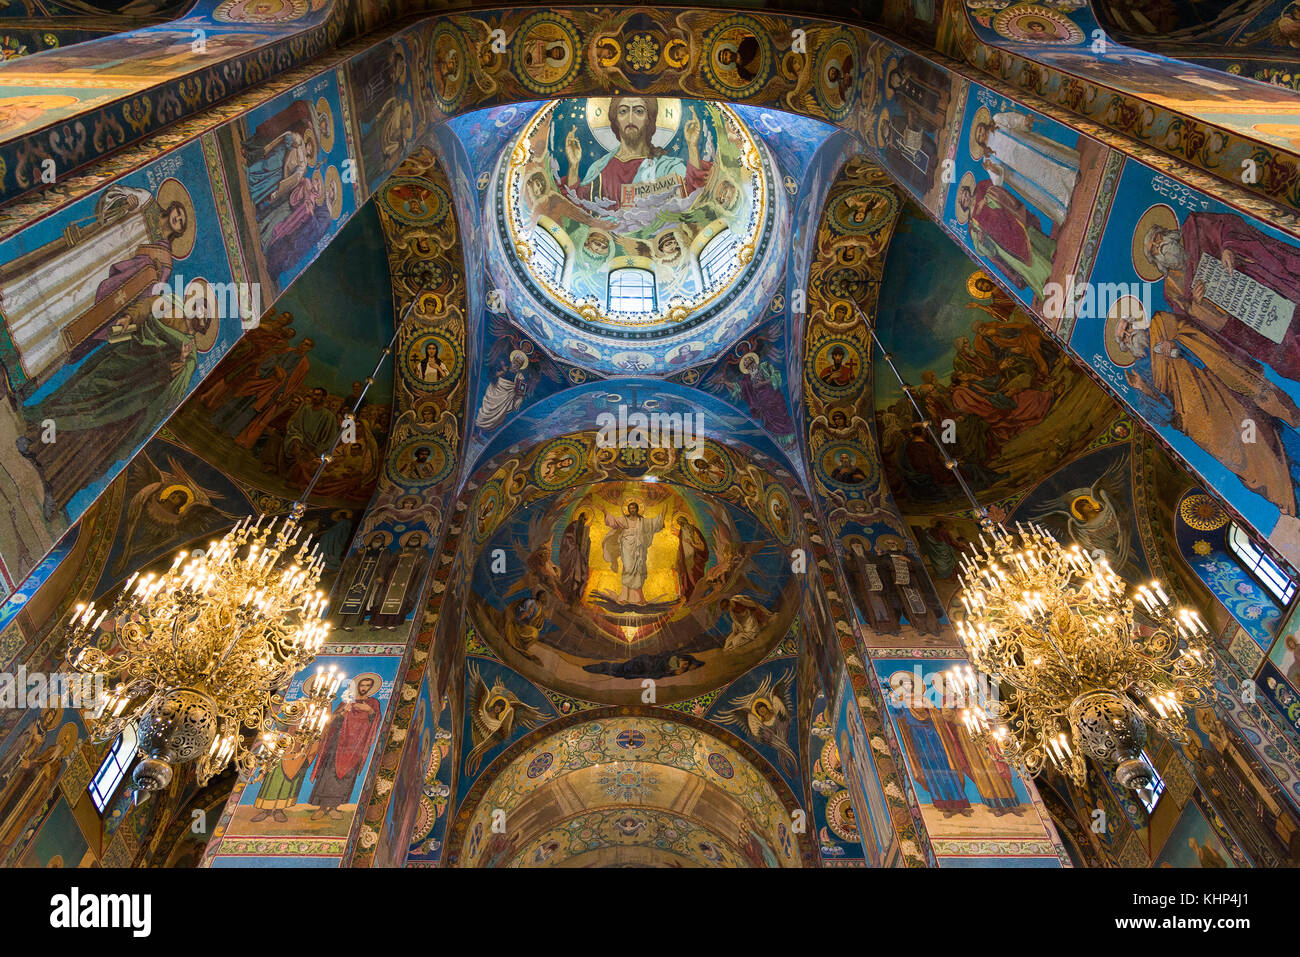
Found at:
<point>636,220</point>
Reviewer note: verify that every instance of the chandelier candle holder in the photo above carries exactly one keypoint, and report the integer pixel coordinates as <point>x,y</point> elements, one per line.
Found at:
<point>1083,669</point>
<point>199,655</point>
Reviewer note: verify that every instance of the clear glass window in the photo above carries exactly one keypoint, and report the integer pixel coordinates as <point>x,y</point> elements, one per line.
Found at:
<point>110,774</point>
<point>1267,571</point>
<point>632,290</point>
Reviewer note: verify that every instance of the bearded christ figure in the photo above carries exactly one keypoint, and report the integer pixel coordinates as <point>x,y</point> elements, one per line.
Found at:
<point>636,159</point>
<point>627,545</point>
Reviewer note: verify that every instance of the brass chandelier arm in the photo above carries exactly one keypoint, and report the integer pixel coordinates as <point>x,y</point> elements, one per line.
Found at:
<point>1080,668</point>
<point>201,656</point>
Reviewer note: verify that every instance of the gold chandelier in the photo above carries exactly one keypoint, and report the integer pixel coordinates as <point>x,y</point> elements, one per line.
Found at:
<point>201,654</point>
<point>1082,669</point>
<point>1078,672</point>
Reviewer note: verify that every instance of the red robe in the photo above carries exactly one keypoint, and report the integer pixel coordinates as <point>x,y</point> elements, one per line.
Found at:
<point>270,400</point>
<point>348,738</point>
<point>618,173</point>
<point>1268,261</point>
<point>1007,223</point>
<point>1030,408</point>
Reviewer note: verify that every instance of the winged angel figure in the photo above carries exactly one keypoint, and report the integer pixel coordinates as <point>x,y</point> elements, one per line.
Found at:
<point>765,714</point>
<point>494,712</point>
<point>1095,518</point>
<point>169,505</point>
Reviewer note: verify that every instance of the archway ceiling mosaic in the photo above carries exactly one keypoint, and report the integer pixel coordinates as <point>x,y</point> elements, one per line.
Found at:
<point>806,86</point>
<point>596,589</point>
<point>618,789</point>
<point>585,408</point>
<point>857,234</point>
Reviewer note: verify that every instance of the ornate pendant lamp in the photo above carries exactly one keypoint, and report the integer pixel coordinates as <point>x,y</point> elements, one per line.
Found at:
<point>200,657</point>
<point>1080,665</point>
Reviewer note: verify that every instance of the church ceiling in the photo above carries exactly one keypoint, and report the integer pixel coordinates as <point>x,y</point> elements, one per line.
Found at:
<point>691,214</point>
<point>578,594</point>
<point>303,366</point>
<point>818,86</point>
<point>539,337</point>
<point>1036,439</point>
<point>504,368</point>
<point>594,787</point>
<point>616,405</point>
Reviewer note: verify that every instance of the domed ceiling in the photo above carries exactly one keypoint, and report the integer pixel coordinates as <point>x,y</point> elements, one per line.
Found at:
<point>636,234</point>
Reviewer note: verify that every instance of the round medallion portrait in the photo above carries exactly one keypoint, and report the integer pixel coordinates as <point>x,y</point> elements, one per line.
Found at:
<point>414,201</point>
<point>1035,23</point>
<point>432,362</point>
<point>738,57</point>
<point>545,53</point>
<point>838,368</point>
<point>420,461</point>
<point>447,66</point>
<point>836,75</point>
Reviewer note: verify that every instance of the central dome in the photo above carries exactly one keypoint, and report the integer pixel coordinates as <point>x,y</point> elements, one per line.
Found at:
<point>639,220</point>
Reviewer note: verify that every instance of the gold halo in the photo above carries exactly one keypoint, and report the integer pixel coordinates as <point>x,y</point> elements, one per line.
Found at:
<point>1074,505</point>
<point>173,191</point>
<point>204,341</point>
<point>189,495</point>
<point>597,112</point>
<point>982,116</point>
<point>379,682</point>
<point>848,541</point>
<point>332,178</point>
<point>890,543</point>
<point>521,355</point>
<point>309,138</point>
<point>968,180</point>
<point>327,128</point>
<point>1119,310</point>
<point>386,535</point>
<point>1162,215</point>
<point>911,677</point>
<point>973,288</point>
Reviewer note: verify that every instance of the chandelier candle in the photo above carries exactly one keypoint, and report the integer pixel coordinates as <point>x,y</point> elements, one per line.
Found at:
<point>201,654</point>
<point>1083,669</point>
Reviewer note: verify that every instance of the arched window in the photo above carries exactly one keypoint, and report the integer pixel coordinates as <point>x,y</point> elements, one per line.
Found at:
<point>719,258</point>
<point>548,256</point>
<point>632,290</point>
<point>1151,798</point>
<point>1263,568</point>
<point>111,772</point>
